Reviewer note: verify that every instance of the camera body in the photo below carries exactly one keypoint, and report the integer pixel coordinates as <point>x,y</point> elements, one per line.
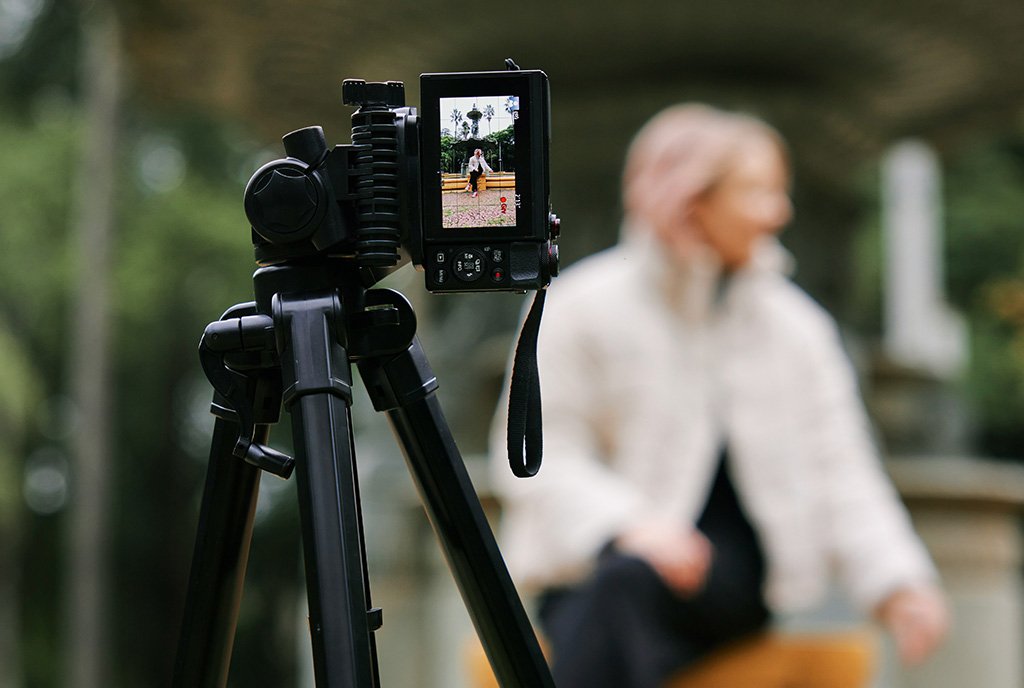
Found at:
<point>460,187</point>
<point>484,142</point>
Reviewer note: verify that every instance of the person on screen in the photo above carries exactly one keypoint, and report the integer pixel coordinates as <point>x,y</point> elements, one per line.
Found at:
<point>477,166</point>
<point>708,462</point>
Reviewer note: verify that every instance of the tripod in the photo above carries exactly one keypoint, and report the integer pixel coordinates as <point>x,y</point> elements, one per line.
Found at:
<point>293,346</point>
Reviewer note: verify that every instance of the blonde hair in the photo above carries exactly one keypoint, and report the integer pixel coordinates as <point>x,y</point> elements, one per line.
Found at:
<point>681,153</point>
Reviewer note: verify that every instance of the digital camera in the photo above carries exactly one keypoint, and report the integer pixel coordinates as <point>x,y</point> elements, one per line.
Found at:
<point>461,186</point>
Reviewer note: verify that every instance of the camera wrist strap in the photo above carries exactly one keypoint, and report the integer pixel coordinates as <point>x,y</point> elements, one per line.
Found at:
<point>525,432</point>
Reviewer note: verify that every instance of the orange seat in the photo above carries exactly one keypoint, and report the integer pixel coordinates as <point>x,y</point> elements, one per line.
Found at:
<point>773,660</point>
<point>782,660</point>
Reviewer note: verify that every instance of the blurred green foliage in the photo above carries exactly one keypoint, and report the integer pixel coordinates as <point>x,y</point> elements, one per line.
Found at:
<point>182,257</point>
<point>985,258</point>
<point>983,208</point>
<point>38,161</point>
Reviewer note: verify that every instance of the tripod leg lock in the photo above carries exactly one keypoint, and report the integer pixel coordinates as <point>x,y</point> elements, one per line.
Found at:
<point>251,382</point>
<point>264,458</point>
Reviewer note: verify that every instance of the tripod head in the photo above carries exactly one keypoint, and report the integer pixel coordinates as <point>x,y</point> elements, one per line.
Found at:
<point>344,217</point>
<point>391,195</point>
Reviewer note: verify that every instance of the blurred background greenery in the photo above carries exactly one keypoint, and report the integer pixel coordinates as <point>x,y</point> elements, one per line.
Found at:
<point>128,130</point>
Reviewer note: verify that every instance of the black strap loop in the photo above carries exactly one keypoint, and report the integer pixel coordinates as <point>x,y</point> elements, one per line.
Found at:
<point>525,431</point>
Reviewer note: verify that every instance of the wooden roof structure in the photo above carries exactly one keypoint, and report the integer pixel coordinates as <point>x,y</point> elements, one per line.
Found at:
<point>841,80</point>
<point>861,72</point>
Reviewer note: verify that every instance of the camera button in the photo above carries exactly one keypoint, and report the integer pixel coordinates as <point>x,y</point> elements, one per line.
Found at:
<point>497,255</point>
<point>440,257</point>
<point>497,275</point>
<point>468,264</point>
<point>440,276</point>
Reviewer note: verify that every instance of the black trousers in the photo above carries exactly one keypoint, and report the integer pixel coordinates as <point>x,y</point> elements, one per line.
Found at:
<point>474,177</point>
<point>624,628</point>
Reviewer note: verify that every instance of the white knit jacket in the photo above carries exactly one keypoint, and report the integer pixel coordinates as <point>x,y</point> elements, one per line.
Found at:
<point>647,370</point>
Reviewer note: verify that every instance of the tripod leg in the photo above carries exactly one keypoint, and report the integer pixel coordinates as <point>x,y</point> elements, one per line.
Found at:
<point>218,563</point>
<point>318,395</point>
<point>404,387</point>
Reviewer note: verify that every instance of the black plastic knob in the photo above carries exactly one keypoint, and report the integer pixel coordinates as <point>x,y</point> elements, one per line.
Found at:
<point>308,145</point>
<point>284,202</point>
<point>553,260</point>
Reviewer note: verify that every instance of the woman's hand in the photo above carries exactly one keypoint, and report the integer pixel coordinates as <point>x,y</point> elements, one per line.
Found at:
<point>680,555</point>
<point>918,619</point>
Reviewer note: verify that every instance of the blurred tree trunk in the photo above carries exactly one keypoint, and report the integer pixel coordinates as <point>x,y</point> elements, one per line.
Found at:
<point>92,221</point>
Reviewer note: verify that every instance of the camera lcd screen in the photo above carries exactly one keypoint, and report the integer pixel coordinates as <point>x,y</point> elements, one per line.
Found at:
<point>478,161</point>
<point>484,156</point>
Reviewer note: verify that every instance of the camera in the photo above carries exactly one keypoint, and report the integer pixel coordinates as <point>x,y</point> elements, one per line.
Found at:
<point>459,187</point>
<point>484,164</point>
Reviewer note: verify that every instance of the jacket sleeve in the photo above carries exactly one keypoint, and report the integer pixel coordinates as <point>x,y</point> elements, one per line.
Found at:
<point>555,523</point>
<point>866,524</point>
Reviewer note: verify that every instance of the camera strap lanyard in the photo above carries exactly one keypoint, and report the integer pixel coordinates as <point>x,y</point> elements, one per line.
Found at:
<point>525,431</point>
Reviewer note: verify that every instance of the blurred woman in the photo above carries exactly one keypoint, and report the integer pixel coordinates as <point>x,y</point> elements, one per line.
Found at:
<point>707,458</point>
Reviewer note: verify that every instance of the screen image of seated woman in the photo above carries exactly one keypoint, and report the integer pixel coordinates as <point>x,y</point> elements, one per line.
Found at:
<point>478,154</point>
